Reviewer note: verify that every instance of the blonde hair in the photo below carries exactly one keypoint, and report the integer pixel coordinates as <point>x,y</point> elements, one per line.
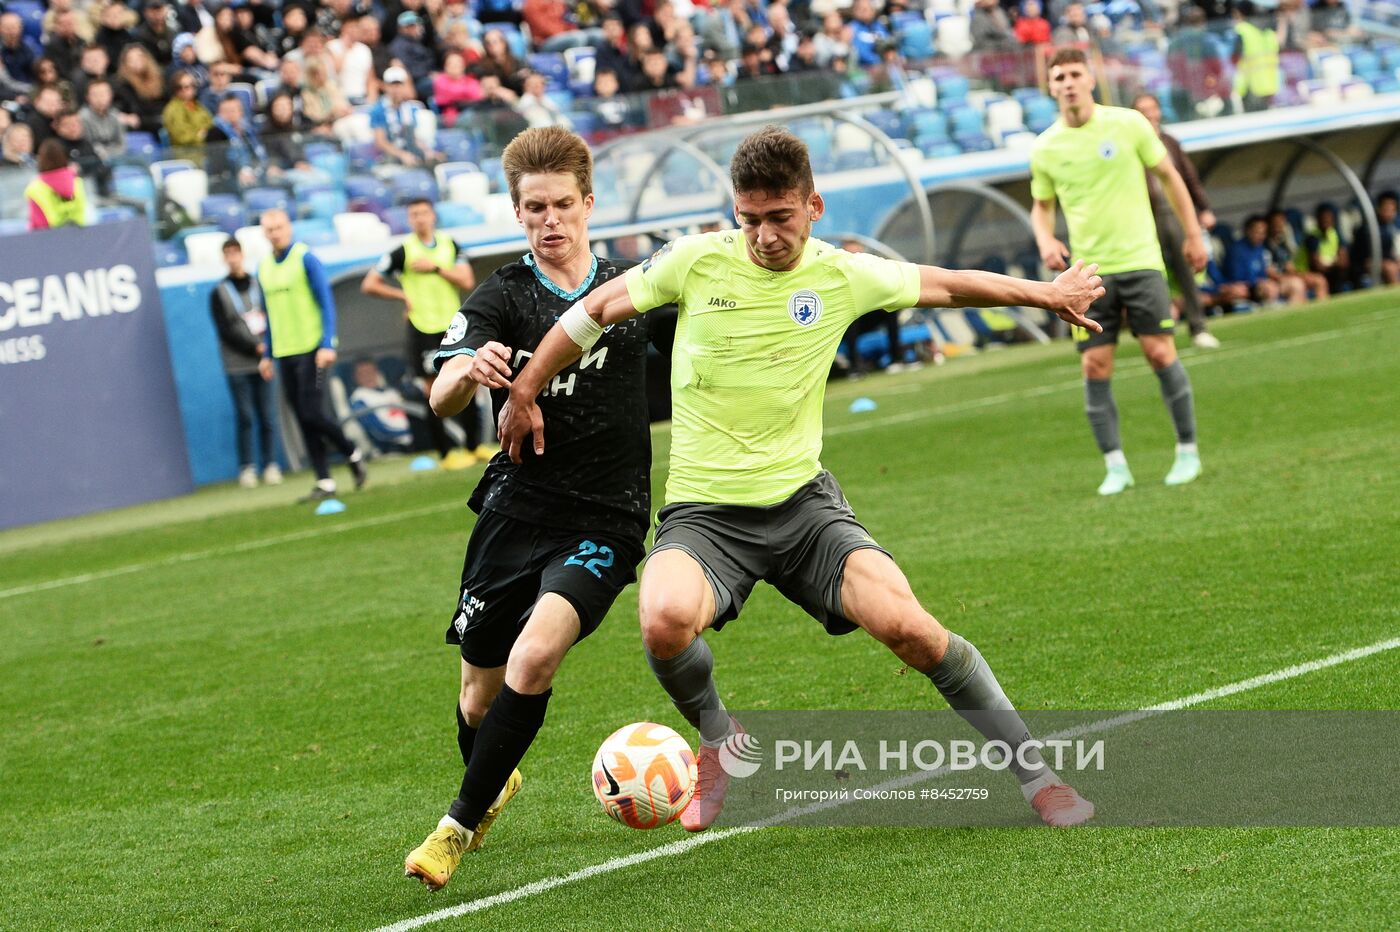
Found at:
<point>547,150</point>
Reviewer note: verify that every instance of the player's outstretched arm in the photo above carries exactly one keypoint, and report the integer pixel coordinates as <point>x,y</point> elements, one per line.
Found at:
<point>1067,297</point>
<point>577,330</point>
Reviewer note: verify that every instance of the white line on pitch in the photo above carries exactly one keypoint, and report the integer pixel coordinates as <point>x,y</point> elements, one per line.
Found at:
<point>695,841</point>
<point>244,547</point>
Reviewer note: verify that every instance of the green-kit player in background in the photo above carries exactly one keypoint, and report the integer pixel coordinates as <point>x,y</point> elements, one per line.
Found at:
<point>1091,161</point>
<point>762,311</point>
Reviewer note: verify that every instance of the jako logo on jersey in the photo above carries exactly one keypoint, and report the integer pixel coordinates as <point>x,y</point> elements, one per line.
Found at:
<point>805,307</point>
<point>1107,149</point>
<point>723,302</point>
<point>740,755</point>
<point>456,330</point>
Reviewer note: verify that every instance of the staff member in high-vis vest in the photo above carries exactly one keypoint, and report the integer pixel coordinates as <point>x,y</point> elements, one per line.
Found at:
<point>1256,59</point>
<point>301,337</point>
<point>432,271</point>
<point>57,196</point>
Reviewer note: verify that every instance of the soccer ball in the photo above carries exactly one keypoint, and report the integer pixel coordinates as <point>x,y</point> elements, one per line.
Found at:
<point>644,775</point>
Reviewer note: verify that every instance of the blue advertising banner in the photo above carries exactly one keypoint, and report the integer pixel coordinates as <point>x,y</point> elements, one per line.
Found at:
<point>88,415</point>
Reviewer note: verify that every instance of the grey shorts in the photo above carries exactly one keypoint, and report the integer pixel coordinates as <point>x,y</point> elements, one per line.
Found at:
<point>799,546</point>
<point>1141,298</point>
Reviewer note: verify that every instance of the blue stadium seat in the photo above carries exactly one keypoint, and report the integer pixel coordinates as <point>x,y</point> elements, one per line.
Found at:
<point>853,159</point>
<point>186,232</point>
<point>915,36</point>
<point>497,174</point>
<point>939,149</point>
<point>553,67</point>
<point>257,200</point>
<point>1040,113</point>
<point>452,214</point>
<point>114,212</point>
<point>952,89</point>
<point>1365,64</point>
<point>397,218</point>
<point>886,121</point>
<point>585,121</point>
<point>457,144</point>
<point>328,159</point>
<point>134,182</point>
<point>248,94</point>
<point>32,13</point>
<point>362,156</point>
<point>964,121</point>
<point>142,145</point>
<point>412,183</point>
<point>223,210</point>
<point>974,142</point>
<point>324,202</point>
<point>315,231</point>
<point>170,254</point>
<point>367,189</point>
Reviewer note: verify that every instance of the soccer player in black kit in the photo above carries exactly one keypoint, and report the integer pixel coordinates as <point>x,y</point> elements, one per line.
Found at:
<point>559,535</point>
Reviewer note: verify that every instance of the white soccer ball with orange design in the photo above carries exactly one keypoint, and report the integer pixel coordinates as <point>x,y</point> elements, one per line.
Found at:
<point>644,775</point>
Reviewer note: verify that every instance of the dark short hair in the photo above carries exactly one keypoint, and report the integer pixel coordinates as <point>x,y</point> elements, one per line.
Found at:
<point>772,160</point>
<point>1255,218</point>
<point>231,244</point>
<point>1069,56</point>
<point>52,155</point>
<point>1388,196</point>
<point>421,200</point>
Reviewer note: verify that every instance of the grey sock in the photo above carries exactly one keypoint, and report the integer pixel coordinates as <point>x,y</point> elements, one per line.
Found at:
<point>1176,393</point>
<point>966,681</point>
<point>688,680</point>
<point>1103,413</point>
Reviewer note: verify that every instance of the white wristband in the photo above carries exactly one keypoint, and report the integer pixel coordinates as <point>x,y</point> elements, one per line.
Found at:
<point>581,328</point>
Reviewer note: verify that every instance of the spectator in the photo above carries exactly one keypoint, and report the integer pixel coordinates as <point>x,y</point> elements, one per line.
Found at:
<point>1333,20</point>
<point>194,17</point>
<point>1256,59</point>
<point>1248,262</point>
<point>782,34</point>
<point>496,96</point>
<point>872,322</point>
<point>57,197</point>
<point>83,21</point>
<point>614,111</point>
<point>683,55</point>
<point>393,120</point>
<point>804,57</point>
<point>656,73</point>
<point>499,62</point>
<point>1284,250</point>
<point>236,157</point>
<point>114,31</point>
<point>252,40</point>
<point>93,65</point>
<point>17,147</point>
<point>68,130</point>
<point>990,28</point>
<point>717,72</point>
<point>294,26</point>
<point>369,31</point>
<point>425,19</point>
<point>1327,252</point>
<point>354,59</point>
<point>539,109</point>
<point>1293,25</point>
<point>1388,271</point>
<point>281,137</point>
<point>40,112</point>
<point>313,48</point>
<point>408,47</point>
<point>380,411</point>
<point>756,61</point>
<point>322,103</point>
<point>867,33</point>
<point>639,42</point>
<point>289,82</point>
<point>1075,28</point>
<point>65,45</point>
<point>15,53</point>
<point>834,41</point>
<point>453,89</point>
<point>100,123</point>
<point>140,89</point>
<point>186,120</point>
<point>613,52</point>
<point>46,74</point>
<point>221,77</point>
<point>548,20</point>
<point>187,63</point>
<point>155,32</point>
<point>725,27</point>
<point>225,28</point>
<point>1031,27</point>
<point>236,305</point>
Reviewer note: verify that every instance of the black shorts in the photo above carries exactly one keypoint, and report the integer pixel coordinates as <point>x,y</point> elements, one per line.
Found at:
<point>421,349</point>
<point>1140,297</point>
<point>511,563</point>
<point>799,546</point>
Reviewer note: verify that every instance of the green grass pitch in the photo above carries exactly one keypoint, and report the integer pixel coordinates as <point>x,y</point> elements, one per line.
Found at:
<point>243,718</point>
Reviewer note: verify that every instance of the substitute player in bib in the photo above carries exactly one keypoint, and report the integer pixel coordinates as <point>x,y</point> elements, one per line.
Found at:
<point>1091,160</point>
<point>762,311</point>
<point>559,535</point>
<point>431,270</point>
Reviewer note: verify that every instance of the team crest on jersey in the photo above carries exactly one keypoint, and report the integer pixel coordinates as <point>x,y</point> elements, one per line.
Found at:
<point>456,330</point>
<point>805,307</point>
<point>1107,149</point>
<point>654,256</point>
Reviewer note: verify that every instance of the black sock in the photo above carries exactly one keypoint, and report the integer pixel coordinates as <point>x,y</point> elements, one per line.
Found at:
<point>502,739</point>
<point>466,737</point>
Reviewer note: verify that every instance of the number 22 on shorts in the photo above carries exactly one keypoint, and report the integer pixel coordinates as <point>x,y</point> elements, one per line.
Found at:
<point>586,559</point>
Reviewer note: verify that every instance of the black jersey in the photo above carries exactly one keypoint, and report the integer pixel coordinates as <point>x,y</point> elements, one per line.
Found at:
<point>596,469</point>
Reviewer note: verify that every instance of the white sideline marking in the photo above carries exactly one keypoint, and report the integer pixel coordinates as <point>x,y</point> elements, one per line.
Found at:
<point>695,841</point>
<point>988,401</point>
<point>225,551</point>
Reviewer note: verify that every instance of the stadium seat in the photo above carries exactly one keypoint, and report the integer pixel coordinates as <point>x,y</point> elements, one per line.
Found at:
<point>354,128</point>
<point>160,171</point>
<point>582,63</point>
<point>206,249</point>
<point>452,214</point>
<point>1040,113</point>
<point>496,172</point>
<point>853,159</point>
<point>254,243</point>
<point>952,89</point>
<point>964,121</point>
<point>331,161</point>
<point>923,92</point>
<point>397,219</point>
<point>411,184</point>
<point>223,210</point>
<point>323,202</point>
<point>142,146</point>
<point>886,121</point>
<point>954,36</point>
<point>136,183</point>
<point>368,189</point>
<point>974,141</point>
<point>425,129</point>
<point>169,254</point>
<point>444,171</point>
<point>499,211</point>
<point>1003,117</point>
<point>188,188</point>
<point>469,188</point>
<point>31,13</point>
<point>554,68</point>
<point>457,145</point>
<point>315,231</point>
<point>360,227</point>
<point>939,148</point>
<point>1333,68</point>
<point>1019,141</point>
<point>915,37</point>
<point>258,200</point>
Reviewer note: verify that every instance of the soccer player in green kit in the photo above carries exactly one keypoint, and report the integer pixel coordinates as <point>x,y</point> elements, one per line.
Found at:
<point>762,311</point>
<point>1091,160</point>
